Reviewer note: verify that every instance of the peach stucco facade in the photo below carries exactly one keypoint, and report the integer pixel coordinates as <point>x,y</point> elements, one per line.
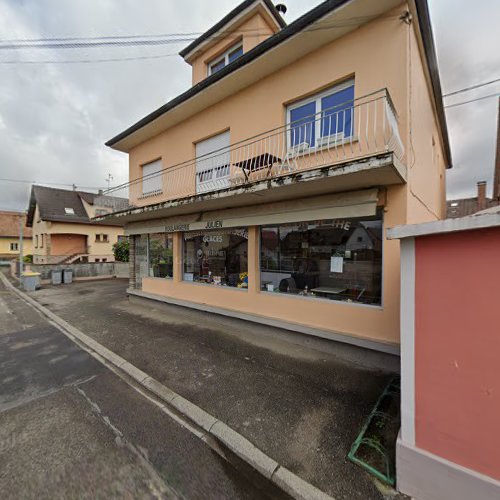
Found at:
<point>249,33</point>
<point>382,54</point>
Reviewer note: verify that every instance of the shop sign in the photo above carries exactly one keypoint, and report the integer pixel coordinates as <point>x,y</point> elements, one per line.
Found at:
<point>213,224</point>
<point>176,227</point>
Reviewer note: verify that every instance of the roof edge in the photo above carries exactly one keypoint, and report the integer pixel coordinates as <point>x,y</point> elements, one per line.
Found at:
<point>467,223</point>
<point>425,25</point>
<point>290,30</point>
<point>227,19</point>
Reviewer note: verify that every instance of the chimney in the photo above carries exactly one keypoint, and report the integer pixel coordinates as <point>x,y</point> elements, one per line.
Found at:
<point>481,195</point>
<point>496,174</point>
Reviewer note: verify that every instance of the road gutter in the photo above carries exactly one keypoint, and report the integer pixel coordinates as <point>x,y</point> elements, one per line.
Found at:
<point>205,426</point>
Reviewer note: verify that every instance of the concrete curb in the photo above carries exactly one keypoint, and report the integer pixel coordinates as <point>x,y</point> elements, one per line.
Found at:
<point>238,444</point>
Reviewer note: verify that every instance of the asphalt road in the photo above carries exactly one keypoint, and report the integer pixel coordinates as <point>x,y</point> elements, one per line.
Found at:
<point>303,406</point>
<point>70,428</point>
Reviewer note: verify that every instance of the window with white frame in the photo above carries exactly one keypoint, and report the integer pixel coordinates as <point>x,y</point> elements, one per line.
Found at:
<point>226,58</point>
<point>152,178</point>
<point>322,119</point>
<point>14,247</point>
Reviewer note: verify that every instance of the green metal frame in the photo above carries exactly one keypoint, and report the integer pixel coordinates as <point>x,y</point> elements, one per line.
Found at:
<point>388,475</point>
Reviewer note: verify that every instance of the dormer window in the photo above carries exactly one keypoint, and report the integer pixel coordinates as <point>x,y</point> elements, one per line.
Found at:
<point>226,58</point>
<point>69,211</point>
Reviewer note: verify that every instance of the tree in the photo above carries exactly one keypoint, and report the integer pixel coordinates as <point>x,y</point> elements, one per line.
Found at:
<point>121,250</point>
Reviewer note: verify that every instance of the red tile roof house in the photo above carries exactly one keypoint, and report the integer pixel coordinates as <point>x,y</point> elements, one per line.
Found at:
<point>460,207</point>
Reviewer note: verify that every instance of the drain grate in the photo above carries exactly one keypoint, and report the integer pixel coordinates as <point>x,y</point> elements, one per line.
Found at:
<point>374,448</point>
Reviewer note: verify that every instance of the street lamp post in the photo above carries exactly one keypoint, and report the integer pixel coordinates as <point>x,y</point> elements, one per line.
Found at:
<point>21,246</point>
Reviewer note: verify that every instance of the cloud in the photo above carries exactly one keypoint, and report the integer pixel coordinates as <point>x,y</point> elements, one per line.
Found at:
<point>55,118</point>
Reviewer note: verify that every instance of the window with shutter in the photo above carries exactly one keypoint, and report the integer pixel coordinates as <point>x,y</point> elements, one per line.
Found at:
<point>152,179</point>
<point>213,161</point>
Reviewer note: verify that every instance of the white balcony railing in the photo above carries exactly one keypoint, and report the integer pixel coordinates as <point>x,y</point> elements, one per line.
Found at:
<point>361,128</point>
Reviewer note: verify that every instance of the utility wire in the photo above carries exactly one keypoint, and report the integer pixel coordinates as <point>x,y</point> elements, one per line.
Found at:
<point>159,56</point>
<point>88,61</point>
<point>472,100</point>
<point>471,87</point>
<point>149,40</point>
<point>20,181</point>
<point>107,37</point>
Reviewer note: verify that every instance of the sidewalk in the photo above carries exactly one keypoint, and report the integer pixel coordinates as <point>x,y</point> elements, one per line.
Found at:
<point>301,406</point>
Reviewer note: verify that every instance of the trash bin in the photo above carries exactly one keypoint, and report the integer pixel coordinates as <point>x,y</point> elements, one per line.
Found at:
<point>31,281</point>
<point>56,277</point>
<point>68,276</point>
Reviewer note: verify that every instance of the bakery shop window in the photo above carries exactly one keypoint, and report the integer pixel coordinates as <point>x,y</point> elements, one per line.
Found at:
<point>218,257</point>
<point>335,259</point>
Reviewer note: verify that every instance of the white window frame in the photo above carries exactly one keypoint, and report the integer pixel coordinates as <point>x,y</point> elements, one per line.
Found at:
<point>223,57</point>
<point>317,99</point>
<point>14,247</point>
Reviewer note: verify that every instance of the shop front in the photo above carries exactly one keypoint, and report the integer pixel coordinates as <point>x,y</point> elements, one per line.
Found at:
<point>309,267</point>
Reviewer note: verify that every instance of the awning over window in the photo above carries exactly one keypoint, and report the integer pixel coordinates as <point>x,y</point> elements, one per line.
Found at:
<point>336,206</point>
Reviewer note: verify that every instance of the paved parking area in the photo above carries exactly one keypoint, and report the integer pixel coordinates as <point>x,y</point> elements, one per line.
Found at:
<point>302,402</point>
<point>71,428</point>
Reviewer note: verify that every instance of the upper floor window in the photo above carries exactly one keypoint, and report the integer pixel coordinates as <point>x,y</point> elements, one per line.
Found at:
<point>152,178</point>
<point>213,163</point>
<point>323,118</point>
<point>226,58</point>
<point>14,247</point>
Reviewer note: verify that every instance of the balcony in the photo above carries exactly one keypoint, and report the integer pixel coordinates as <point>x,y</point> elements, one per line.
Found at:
<point>355,145</point>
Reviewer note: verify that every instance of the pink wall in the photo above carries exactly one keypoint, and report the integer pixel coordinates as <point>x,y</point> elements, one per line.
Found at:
<point>457,348</point>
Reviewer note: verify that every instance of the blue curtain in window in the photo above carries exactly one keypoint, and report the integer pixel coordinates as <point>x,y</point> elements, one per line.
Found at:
<point>337,113</point>
<point>302,124</point>
<point>235,54</point>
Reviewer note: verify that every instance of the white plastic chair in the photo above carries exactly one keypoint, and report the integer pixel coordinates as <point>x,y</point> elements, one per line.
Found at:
<point>290,160</point>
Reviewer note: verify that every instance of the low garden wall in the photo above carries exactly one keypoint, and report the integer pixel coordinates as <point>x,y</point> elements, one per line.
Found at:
<point>85,270</point>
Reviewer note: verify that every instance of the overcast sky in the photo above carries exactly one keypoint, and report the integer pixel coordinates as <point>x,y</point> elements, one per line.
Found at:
<point>55,118</point>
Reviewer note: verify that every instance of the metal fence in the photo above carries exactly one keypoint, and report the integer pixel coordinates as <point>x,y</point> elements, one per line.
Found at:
<point>355,129</point>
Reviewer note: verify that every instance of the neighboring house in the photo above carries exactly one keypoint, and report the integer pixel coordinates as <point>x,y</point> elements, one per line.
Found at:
<point>9,235</point>
<point>63,229</point>
<point>462,207</point>
<point>291,139</point>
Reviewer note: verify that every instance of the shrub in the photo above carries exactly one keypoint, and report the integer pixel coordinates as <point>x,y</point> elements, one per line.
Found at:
<point>121,250</point>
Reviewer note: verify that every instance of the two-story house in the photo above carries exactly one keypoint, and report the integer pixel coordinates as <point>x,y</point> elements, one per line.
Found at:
<point>10,229</point>
<point>63,229</point>
<point>263,192</point>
